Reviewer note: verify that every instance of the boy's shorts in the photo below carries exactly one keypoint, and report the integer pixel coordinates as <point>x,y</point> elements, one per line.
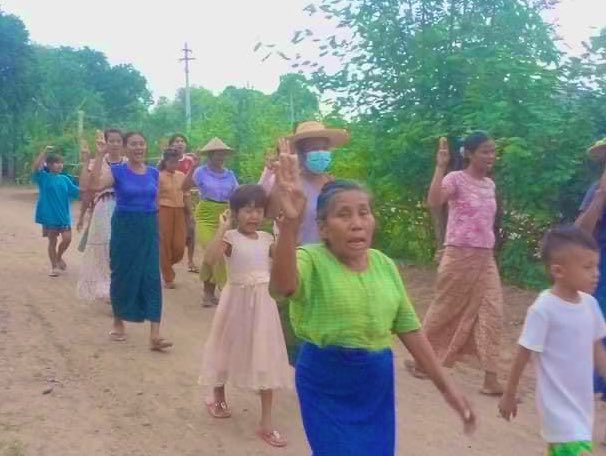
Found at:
<point>48,229</point>
<point>570,449</point>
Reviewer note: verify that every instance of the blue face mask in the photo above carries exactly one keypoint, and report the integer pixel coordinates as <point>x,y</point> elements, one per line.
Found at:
<point>318,161</point>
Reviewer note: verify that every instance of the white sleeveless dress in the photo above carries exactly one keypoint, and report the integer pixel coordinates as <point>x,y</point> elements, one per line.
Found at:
<point>94,279</point>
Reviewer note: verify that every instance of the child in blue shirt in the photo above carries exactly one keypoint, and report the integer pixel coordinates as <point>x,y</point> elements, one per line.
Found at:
<point>53,210</point>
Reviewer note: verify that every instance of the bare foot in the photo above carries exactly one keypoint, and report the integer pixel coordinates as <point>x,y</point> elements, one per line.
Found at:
<point>61,264</point>
<point>117,336</point>
<point>160,345</point>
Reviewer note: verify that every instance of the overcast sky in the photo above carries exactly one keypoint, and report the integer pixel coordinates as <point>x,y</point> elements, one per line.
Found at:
<point>222,34</point>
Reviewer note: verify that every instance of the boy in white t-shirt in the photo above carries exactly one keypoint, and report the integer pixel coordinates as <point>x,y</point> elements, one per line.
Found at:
<point>563,330</point>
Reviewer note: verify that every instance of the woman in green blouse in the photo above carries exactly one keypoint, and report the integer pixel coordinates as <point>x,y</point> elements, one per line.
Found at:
<point>346,301</point>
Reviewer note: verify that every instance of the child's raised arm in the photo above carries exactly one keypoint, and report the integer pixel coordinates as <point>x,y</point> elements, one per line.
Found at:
<point>39,160</point>
<point>218,247</point>
<point>508,406</point>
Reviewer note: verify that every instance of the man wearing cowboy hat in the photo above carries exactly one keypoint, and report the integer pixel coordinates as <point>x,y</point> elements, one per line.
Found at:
<point>313,143</point>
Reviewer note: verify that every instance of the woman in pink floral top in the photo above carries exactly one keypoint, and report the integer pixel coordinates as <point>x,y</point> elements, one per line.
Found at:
<point>467,312</point>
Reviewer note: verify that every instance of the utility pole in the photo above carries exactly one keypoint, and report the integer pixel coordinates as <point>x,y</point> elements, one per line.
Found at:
<point>187,58</point>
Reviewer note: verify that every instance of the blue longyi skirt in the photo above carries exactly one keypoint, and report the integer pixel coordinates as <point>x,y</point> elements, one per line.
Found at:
<point>347,400</point>
<point>135,287</point>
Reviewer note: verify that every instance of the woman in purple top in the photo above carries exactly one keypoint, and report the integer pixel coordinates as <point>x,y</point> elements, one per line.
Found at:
<point>215,186</point>
<point>135,286</point>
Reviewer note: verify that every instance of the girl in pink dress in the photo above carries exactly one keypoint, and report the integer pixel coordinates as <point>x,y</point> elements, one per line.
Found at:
<point>246,344</point>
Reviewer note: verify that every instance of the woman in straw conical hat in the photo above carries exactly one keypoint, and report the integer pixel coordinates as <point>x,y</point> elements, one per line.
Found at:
<point>215,185</point>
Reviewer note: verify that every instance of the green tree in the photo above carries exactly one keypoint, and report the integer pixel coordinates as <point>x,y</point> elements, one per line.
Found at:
<point>16,89</point>
<point>295,98</point>
<point>414,70</point>
<point>246,119</point>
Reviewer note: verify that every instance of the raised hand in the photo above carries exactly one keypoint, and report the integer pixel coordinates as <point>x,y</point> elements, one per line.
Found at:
<point>85,154</point>
<point>225,220</point>
<point>195,159</point>
<point>291,196</point>
<point>443,157</point>
<point>270,162</point>
<point>100,144</point>
<point>285,147</point>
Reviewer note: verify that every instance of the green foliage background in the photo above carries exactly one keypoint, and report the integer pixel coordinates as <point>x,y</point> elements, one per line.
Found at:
<point>409,72</point>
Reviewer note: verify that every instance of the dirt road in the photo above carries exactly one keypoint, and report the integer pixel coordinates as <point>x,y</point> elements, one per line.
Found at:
<point>119,399</point>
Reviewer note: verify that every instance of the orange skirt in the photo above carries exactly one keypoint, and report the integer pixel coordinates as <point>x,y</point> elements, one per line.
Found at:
<point>466,316</point>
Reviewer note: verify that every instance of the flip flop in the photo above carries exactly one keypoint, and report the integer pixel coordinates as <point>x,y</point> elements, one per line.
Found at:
<point>62,265</point>
<point>117,336</point>
<point>207,301</point>
<point>272,438</point>
<point>160,345</point>
<point>491,393</point>
<point>193,269</point>
<point>54,273</point>
<point>218,410</point>
<point>411,367</point>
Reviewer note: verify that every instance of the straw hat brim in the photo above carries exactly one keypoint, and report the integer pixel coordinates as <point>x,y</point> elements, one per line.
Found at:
<point>210,151</point>
<point>216,145</point>
<point>336,137</point>
<point>598,151</point>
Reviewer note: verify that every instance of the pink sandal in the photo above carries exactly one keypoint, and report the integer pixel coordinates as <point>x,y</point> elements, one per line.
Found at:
<point>272,438</point>
<point>218,410</point>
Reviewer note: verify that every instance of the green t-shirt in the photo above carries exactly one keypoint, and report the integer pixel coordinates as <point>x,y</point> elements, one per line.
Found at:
<point>336,306</point>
